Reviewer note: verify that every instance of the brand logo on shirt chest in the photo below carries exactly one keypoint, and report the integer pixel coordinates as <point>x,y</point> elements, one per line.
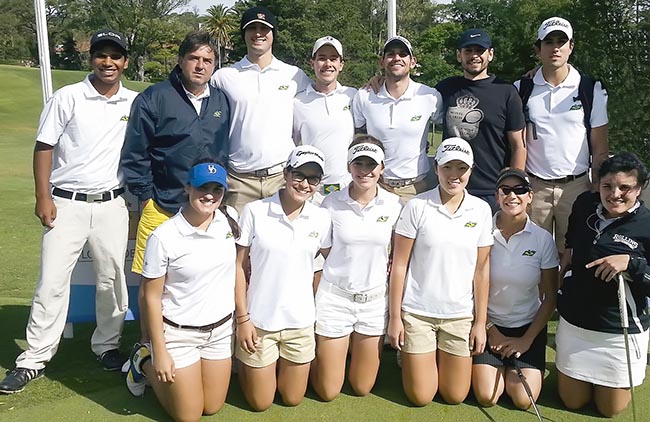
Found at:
<point>124,118</point>
<point>283,87</point>
<point>619,238</point>
<point>416,118</point>
<point>470,224</point>
<point>529,252</point>
<point>382,219</point>
<point>314,234</point>
<point>217,114</point>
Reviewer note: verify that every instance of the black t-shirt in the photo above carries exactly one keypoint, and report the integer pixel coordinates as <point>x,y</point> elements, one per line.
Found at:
<point>482,112</point>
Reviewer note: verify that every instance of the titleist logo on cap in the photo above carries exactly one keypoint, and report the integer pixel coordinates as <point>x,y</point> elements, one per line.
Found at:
<point>299,153</point>
<point>452,147</point>
<point>555,22</point>
<point>359,148</point>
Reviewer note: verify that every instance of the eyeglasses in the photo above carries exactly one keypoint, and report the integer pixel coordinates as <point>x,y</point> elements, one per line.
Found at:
<point>299,177</point>
<point>518,190</point>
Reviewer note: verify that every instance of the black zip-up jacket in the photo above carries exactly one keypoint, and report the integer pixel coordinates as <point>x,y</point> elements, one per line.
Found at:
<point>589,302</point>
<point>165,136</point>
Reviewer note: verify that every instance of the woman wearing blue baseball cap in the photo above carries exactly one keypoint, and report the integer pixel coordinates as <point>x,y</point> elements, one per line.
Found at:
<point>189,291</point>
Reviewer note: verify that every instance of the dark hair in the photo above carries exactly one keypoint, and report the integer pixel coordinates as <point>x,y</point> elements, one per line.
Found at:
<point>234,227</point>
<point>625,162</point>
<point>363,138</point>
<point>194,40</point>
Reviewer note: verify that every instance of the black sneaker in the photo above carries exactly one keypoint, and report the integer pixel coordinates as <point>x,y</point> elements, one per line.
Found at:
<point>17,379</point>
<point>111,360</point>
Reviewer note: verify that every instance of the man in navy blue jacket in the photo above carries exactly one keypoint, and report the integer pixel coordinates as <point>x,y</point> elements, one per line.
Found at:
<point>173,124</point>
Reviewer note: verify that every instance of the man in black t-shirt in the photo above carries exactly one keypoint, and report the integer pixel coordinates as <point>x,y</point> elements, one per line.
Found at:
<point>486,112</point>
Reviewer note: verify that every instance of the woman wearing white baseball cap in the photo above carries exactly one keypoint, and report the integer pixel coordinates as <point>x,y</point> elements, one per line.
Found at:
<point>189,262</point>
<point>275,313</point>
<point>439,281</point>
<point>351,301</point>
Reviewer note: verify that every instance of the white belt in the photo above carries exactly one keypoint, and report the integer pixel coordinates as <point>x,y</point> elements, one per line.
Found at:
<point>362,297</point>
<point>400,183</point>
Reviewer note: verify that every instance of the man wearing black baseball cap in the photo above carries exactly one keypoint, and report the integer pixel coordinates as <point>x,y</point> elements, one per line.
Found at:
<point>79,188</point>
<point>486,112</point>
<point>260,89</point>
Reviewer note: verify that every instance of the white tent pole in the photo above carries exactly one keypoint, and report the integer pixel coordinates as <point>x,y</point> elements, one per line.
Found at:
<point>392,18</point>
<point>43,49</point>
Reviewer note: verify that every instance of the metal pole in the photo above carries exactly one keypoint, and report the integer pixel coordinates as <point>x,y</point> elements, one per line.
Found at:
<point>43,49</point>
<point>392,18</point>
<point>622,308</point>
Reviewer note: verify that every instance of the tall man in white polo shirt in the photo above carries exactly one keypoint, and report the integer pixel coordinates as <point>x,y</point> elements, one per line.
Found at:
<point>260,89</point>
<point>560,151</point>
<point>322,114</point>
<point>78,199</point>
<point>399,115</point>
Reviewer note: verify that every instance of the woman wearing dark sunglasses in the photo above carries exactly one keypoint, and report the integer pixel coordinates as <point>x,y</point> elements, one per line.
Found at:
<point>275,312</point>
<point>523,284</point>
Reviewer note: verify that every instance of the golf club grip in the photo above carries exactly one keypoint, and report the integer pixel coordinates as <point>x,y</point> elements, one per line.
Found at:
<point>622,301</point>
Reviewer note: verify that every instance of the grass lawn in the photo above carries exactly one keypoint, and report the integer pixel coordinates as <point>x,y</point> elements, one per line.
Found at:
<point>76,388</point>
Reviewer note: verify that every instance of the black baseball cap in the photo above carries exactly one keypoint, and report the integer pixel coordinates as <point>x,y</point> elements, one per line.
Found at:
<point>514,172</point>
<point>108,36</point>
<point>474,36</point>
<point>258,14</point>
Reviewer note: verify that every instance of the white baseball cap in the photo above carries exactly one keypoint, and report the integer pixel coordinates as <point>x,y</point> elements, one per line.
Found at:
<point>304,154</point>
<point>399,40</point>
<point>455,149</point>
<point>328,40</point>
<point>555,24</point>
<point>366,149</point>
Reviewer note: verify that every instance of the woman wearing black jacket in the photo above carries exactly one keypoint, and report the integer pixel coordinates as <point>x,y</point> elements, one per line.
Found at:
<point>608,234</point>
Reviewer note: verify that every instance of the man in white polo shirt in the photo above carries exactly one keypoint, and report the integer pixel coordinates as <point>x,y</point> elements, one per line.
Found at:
<point>561,147</point>
<point>260,89</point>
<point>399,115</point>
<point>322,115</point>
<point>78,199</point>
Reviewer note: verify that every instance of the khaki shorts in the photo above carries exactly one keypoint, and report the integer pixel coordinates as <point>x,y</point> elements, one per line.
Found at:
<point>152,217</point>
<point>425,334</point>
<point>245,188</point>
<point>296,345</point>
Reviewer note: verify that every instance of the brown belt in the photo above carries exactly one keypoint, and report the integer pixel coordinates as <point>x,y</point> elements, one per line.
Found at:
<point>208,327</point>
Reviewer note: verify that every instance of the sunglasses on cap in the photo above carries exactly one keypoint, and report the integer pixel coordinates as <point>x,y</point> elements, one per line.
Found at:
<point>518,190</point>
<point>299,177</point>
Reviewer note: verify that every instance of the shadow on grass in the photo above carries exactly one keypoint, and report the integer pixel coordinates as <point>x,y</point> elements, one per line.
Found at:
<point>14,318</point>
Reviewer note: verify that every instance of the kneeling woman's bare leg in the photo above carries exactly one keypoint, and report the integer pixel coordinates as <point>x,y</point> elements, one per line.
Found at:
<point>455,376</point>
<point>328,369</point>
<point>515,388</point>
<point>258,385</point>
<point>611,401</point>
<point>364,365</point>
<point>575,394</point>
<point>419,377</point>
<point>292,381</point>
<point>193,392</point>
<point>487,384</point>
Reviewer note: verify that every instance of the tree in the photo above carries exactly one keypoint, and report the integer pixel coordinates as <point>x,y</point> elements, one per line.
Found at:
<point>220,23</point>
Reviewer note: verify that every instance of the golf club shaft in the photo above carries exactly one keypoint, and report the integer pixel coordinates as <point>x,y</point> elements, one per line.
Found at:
<point>622,307</point>
<point>529,392</point>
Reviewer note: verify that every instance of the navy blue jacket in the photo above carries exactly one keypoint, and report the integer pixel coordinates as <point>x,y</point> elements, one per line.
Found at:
<point>165,136</point>
<point>589,302</point>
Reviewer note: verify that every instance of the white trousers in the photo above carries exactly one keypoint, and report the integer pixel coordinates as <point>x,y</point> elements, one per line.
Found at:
<point>104,225</point>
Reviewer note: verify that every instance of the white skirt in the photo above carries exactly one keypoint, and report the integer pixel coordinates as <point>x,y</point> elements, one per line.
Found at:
<point>599,358</point>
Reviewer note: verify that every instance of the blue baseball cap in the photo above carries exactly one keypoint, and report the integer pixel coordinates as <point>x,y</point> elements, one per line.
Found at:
<point>204,173</point>
<point>474,36</point>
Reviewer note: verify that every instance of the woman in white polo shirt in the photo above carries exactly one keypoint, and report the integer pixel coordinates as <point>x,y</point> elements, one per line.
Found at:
<point>523,268</point>
<point>280,236</point>
<point>351,302</point>
<point>189,262</point>
<point>439,281</point>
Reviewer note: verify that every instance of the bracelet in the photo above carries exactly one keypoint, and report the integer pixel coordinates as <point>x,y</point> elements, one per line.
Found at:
<point>241,322</point>
<point>243,316</point>
<point>489,325</point>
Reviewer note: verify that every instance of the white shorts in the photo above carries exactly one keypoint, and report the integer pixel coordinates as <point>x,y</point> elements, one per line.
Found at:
<point>338,315</point>
<point>599,358</point>
<point>187,347</point>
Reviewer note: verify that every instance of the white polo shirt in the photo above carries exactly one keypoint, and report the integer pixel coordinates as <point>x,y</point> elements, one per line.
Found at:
<point>401,125</point>
<point>515,273</point>
<point>199,267</point>
<point>440,277</point>
<point>561,146</point>
<point>86,130</point>
<point>360,241</point>
<point>325,121</point>
<point>261,111</point>
<point>282,252</point>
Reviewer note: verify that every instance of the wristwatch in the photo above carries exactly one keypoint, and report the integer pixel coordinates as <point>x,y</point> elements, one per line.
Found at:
<point>489,325</point>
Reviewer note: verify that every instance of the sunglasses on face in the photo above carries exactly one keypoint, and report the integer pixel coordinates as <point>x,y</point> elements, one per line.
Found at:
<point>518,190</point>
<point>299,177</point>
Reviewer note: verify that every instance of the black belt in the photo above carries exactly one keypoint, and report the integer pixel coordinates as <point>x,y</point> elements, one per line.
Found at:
<point>208,327</point>
<point>88,197</point>
<point>565,179</point>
